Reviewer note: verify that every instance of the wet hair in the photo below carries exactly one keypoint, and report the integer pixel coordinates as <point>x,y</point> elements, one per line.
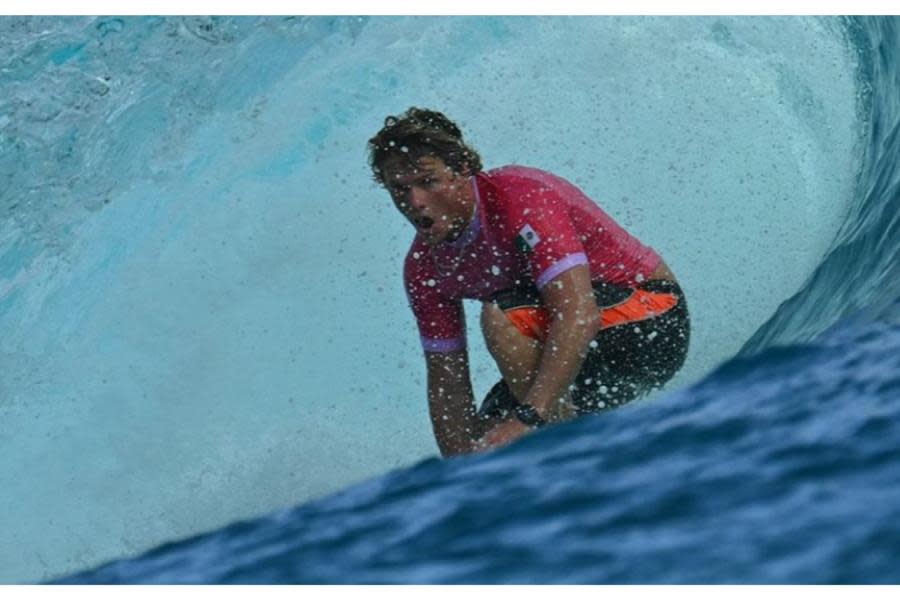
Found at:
<point>416,134</point>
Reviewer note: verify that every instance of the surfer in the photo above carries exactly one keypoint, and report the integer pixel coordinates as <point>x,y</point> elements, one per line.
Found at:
<point>578,314</point>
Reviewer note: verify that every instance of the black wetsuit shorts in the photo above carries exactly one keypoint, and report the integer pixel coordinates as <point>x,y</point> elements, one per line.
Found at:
<point>642,344</point>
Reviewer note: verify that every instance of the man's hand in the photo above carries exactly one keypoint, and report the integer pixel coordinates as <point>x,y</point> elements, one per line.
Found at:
<point>503,434</point>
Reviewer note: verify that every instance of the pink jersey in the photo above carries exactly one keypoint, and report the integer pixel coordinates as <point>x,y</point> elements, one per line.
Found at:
<point>529,227</point>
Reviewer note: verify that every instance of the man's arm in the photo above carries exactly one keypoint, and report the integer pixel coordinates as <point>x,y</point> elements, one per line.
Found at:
<point>451,402</point>
<point>569,298</point>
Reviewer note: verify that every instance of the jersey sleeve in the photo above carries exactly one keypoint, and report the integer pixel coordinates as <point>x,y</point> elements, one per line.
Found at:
<point>538,218</point>
<point>440,320</point>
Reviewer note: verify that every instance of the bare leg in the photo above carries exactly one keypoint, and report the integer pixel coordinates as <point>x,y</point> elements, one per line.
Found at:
<point>517,356</point>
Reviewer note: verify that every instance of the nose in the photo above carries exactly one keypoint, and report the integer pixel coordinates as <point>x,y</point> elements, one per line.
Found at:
<point>417,198</point>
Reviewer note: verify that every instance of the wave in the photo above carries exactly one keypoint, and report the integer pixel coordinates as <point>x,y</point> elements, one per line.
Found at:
<point>185,199</point>
<point>858,278</point>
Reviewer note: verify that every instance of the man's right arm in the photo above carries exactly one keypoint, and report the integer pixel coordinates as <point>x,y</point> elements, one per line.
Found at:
<point>451,402</point>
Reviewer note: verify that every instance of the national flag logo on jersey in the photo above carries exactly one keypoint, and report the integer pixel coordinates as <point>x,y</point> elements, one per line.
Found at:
<point>527,239</point>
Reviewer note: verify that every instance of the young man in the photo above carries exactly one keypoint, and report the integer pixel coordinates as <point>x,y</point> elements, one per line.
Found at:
<point>578,314</point>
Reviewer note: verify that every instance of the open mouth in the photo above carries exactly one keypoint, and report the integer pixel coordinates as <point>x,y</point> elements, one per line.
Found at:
<point>424,223</point>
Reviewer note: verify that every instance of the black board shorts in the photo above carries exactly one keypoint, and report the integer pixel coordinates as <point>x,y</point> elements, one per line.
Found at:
<point>637,350</point>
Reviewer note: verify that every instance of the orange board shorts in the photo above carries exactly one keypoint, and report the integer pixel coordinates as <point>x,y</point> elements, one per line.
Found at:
<point>534,321</point>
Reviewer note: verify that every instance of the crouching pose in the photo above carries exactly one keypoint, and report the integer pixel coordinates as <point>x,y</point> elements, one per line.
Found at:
<point>579,315</point>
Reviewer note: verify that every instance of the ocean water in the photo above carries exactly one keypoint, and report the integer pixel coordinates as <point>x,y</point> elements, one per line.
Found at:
<point>208,372</point>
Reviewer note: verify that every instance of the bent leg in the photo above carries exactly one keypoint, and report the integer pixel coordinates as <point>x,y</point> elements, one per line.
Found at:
<point>517,356</point>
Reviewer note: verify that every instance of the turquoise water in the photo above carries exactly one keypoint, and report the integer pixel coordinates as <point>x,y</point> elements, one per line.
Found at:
<point>203,318</point>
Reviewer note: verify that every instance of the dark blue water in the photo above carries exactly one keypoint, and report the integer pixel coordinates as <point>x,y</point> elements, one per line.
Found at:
<point>779,466</point>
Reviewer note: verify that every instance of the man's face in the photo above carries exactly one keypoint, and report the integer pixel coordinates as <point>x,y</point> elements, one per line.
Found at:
<point>434,198</point>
